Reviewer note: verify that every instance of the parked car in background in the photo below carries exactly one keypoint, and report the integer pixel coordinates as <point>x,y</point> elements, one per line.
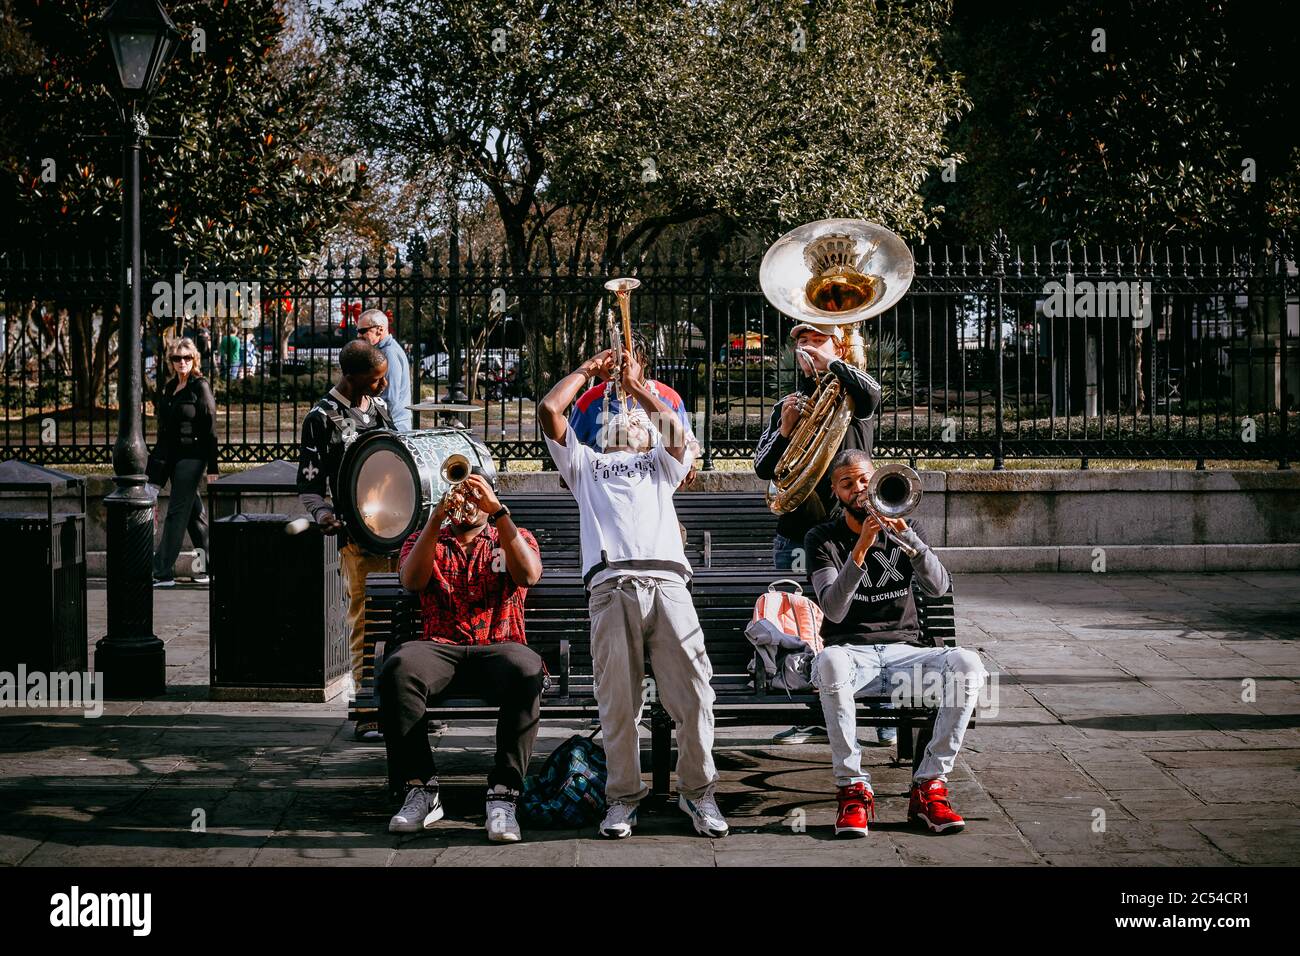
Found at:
<point>502,377</point>
<point>308,348</point>
<point>500,374</point>
<point>436,365</point>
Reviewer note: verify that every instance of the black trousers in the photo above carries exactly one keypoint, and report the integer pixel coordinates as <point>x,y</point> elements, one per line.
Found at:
<point>185,511</point>
<point>507,675</point>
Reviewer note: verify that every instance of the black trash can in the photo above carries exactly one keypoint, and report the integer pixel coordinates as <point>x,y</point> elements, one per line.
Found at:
<point>43,563</point>
<point>277,599</point>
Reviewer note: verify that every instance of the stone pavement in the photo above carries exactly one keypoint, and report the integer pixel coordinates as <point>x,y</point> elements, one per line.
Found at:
<point>1142,719</point>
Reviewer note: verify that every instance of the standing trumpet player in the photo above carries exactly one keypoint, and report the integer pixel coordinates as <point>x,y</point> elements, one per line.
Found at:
<point>636,573</point>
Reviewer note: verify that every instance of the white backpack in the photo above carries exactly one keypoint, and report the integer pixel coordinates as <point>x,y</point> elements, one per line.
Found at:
<point>786,632</point>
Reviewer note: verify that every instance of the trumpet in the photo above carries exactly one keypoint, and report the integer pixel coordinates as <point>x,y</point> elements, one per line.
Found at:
<point>461,500</point>
<point>619,335</point>
<point>893,492</point>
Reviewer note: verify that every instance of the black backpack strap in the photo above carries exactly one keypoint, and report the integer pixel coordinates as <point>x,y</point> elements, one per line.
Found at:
<point>385,416</point>
<point>335,415</point>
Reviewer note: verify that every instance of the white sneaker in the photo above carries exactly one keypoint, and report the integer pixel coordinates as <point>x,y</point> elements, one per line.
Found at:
<point>502,825</point>
<point>619,821</point>
<point>201,579</point>
<point>421,809</point>
<point>801,735</point>
<point>705,816</point>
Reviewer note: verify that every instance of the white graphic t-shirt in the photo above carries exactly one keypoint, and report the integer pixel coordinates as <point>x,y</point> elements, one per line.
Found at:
<point>625,508</point>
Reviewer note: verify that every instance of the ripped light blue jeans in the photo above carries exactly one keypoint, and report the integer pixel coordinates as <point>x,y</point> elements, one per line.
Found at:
<point>949,676</point>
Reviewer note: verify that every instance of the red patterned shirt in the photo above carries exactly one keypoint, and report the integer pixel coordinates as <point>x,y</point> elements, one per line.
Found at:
<point>466,600</point>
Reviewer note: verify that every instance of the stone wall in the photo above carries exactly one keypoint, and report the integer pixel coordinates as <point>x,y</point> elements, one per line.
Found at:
<point>1010,520</point>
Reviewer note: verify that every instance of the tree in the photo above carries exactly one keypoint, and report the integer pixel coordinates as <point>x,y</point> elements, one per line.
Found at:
<point>600,127</point>
<point>637,116</point>
<point>247,177</point>
<point>1131,124</point>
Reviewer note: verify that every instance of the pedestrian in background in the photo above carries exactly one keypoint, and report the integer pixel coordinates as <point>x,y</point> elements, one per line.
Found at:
<point>186,449</point>
<point>372,326</point>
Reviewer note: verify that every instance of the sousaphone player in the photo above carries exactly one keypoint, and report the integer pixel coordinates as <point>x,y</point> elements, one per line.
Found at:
<point>828,276</point>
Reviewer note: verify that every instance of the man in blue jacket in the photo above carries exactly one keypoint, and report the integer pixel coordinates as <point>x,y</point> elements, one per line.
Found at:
<point>372,326</point>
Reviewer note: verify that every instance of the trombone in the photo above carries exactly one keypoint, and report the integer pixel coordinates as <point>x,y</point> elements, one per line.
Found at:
<point>893,492</point>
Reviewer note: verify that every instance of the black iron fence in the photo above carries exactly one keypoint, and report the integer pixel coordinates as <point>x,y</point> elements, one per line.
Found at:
<point>996,352</point>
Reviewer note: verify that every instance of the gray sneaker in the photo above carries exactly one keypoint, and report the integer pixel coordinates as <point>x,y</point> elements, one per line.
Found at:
<point>801,735</point>
<point>502,824</point>
<point>619,821</point>
<point>705,816</point>
<point>421,809</point>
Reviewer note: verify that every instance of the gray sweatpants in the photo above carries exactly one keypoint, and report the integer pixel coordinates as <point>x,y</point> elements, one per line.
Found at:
<point>629,616</point>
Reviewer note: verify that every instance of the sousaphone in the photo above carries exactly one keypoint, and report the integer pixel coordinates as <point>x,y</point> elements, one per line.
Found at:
<point>833,274</point>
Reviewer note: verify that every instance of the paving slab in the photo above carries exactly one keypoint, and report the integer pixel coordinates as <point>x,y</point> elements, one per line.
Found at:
<point>1117,692</point>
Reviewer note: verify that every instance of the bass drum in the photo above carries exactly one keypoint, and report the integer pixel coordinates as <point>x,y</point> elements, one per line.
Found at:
<point>390,482</point>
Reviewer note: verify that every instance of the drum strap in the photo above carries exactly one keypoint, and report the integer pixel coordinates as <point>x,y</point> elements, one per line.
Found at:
<point>335,416</point>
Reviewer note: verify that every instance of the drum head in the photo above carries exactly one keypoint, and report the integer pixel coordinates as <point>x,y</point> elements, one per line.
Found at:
<point>389,482</point>
<point>380,493</point>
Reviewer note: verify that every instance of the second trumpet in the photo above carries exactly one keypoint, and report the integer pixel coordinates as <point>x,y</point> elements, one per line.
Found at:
<point>461,499</point>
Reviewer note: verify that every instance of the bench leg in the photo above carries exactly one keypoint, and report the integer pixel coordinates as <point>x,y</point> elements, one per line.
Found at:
<point>904,740</point>
<point>661,749</point>
<point>923,735</point>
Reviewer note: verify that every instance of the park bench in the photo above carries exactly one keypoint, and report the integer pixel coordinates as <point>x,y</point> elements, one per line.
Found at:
<point>727,530</point>
<point>557,628</point>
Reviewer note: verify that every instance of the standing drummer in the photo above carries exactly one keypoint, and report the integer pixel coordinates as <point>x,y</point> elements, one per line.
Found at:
<point>352,407</point>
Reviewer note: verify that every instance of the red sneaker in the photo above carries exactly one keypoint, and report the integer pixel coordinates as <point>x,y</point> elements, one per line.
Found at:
<point>929,806</point>
<point>856,805</point>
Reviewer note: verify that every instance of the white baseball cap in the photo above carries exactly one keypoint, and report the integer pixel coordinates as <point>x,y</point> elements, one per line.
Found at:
<point>834,331</point>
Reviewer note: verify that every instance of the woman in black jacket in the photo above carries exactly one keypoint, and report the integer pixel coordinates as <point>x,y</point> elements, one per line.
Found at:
<point>187,446</point>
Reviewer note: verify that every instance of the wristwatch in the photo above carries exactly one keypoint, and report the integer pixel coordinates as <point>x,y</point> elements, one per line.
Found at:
<point>498,515</point>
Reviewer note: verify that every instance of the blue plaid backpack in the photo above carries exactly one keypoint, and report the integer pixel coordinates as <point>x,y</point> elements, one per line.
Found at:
<point>569,791</point>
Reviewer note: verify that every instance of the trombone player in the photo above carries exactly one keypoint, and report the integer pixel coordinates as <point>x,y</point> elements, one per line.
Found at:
<point>863,566</point>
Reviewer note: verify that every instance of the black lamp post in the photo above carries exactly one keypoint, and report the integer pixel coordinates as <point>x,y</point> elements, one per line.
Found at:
<point>455,381</point>
<point>130,658</point>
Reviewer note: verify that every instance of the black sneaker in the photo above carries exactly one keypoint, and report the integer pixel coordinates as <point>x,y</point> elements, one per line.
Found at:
<point>421,809</point>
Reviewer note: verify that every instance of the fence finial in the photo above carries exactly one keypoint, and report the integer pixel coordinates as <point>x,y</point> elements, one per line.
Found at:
<point>999,250</point>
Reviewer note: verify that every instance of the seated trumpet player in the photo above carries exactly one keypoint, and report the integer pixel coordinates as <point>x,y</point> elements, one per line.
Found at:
<point>472,568</point>
<point>863,567</point>
<point>636,573</point>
